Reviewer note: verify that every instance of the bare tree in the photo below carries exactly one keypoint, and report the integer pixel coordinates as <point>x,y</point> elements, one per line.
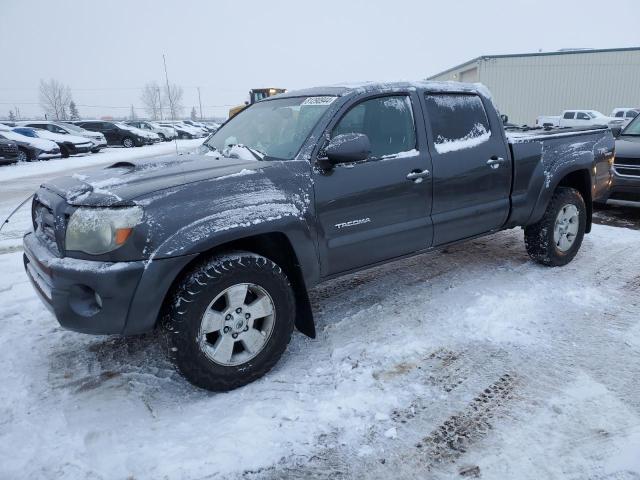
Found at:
<point>12,116</point>
<point>151,100</point>
<point>173,98</point>
<point>194,114</point>
<point>55,98</point>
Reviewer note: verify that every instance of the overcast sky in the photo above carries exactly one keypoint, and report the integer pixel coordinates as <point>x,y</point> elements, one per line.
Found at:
<point>107,50</point>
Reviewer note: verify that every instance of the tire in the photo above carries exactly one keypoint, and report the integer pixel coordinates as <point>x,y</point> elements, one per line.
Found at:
<point>128,142</point>
<point>555,240</point>
<point>162,137</point>
<point>24,155</point>
<point>64,152</point>
<point>95,150</point>
<point>239,349</point>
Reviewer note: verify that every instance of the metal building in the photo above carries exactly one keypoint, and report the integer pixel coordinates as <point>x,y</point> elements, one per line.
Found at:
<point>527,85</point>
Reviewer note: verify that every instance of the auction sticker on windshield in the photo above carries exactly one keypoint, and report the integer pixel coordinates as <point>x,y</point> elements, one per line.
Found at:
<point>319,101</point>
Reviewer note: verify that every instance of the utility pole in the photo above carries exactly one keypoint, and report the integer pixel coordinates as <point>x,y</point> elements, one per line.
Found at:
<point>159,100</point>
<point>166,77</point>
<point>200,102</point>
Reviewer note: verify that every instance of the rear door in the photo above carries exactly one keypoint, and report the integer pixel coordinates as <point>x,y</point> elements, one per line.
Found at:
<point>370,211</point>
<point>471,167</point>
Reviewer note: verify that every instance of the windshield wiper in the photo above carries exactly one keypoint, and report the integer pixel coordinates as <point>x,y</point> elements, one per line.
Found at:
<point>256,153</point>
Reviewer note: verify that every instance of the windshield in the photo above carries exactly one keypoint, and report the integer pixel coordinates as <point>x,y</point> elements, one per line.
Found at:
<point>275,128</point>
<point>73,127</point>
<point>633,128</point>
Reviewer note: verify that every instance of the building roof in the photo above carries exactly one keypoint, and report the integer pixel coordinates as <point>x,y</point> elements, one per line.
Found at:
<point>536,54</point>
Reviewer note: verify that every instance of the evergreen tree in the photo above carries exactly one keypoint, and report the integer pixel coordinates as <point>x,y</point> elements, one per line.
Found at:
<point>73,111</point>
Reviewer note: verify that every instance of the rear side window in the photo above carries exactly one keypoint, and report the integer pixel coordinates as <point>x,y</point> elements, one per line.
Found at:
<point>458,121</point>
<point>568,115</point>
<point>387,121</point>
<point>620,113</point>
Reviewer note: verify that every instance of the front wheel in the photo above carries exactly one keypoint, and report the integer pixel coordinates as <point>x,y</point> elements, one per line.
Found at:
<point>557,237</point>
<point>230,320</point>
<point>127,142</point>
<point>24,155</point>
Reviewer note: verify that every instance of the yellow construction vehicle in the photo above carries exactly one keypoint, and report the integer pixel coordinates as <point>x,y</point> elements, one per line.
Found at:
<point>255,95</point>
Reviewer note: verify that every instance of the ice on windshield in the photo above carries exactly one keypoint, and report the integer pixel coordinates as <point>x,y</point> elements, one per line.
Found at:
<point>274,128</point>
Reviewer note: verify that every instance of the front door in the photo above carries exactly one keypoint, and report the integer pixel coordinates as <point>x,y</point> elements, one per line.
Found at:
<point>370,211</point>
<point>471,167</point>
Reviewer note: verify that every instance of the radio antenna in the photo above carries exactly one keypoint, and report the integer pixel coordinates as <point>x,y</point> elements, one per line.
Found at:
<point>171,108</point>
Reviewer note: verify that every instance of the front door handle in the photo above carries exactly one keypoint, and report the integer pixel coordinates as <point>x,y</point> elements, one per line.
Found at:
<point>495,162</point>
<point>418,175</point>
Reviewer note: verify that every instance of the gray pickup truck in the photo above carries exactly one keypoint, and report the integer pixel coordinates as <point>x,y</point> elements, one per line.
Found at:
<point>221,247</point>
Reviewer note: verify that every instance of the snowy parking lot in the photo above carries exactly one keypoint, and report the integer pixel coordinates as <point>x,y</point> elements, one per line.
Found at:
<point>474,362</point>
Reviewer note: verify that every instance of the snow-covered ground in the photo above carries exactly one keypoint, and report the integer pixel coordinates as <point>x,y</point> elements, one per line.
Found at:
<point>19,181</point>
<point>475,362</point>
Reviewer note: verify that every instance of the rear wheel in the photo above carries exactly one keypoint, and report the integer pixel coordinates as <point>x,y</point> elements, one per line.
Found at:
<point>557,237</point>
<point>230,320</point>
<point>128,142</point>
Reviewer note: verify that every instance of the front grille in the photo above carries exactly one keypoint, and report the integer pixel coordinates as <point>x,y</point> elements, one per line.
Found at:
<point>8,149</point>
<point>627,161</point>
<point>44,224</point>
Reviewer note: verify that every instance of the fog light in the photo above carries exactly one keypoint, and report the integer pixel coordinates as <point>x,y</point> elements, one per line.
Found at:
<point>84,300</point>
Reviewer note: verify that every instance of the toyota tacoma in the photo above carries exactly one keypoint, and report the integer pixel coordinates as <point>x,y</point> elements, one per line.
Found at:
<point>220,248</point>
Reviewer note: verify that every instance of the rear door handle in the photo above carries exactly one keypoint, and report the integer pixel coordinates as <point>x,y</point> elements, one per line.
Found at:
<point>495,161</point>
<point>418,175</point>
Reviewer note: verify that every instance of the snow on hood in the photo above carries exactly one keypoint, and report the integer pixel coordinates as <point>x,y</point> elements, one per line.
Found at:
<point>124,181</point>
<point>58,137</point>
<point>39,143</point>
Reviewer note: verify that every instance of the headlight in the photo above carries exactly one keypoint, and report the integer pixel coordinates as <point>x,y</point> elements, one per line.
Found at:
<point>101,230</point>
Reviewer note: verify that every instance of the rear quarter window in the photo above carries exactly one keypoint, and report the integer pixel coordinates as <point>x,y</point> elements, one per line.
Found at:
<point>457,121</point>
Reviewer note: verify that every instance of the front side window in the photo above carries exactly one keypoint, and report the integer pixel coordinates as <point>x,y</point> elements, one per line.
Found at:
<point>458,121</point>
<point>387,121</point>
<point>274,128</point>
<point>583,116</point>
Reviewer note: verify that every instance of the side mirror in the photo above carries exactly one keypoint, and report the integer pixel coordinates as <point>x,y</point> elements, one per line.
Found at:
<point>615,131</point>
<point>505,118</point>
<point>347,148</point>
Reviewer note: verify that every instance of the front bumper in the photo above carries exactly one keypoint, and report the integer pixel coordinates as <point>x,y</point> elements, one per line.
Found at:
<point>85,148</point>
<point>625,187</point>
<point>100,297</point>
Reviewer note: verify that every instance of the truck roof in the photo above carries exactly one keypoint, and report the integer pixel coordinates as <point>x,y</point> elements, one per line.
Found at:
<point>340,90</point>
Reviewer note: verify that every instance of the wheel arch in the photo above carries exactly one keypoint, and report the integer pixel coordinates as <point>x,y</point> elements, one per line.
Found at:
<point>275,246</point>
<point>578,178</point>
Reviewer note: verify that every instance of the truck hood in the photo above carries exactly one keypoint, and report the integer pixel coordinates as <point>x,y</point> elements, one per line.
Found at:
<point>628,146</point>
<point>121,183</point>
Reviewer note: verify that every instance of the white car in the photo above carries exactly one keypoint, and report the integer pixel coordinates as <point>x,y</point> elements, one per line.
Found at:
<point>30,148</point>
<point>62,128</point>
<point>588,118</point>
<point>69,144</point>
<point>150,136</point>
<point>166,134</point>
<point>185,131</point>
<point>548,121</point>
<point>627,114</point>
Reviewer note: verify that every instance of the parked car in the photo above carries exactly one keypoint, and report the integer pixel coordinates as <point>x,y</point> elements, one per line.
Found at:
<point>548,121</point>
<point>150,136</point>
<point>300,188</point>
<point>626,166</point>
<point>164,133</point>
<point>8,151</point>
<point>184,131</point>
<point>62,128</point>
<point>627,114</point>
<point>587,118</point>
<point>69,144</point>
<point>30,149</point>
<point>199,125</point>
<point>114,133</point>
